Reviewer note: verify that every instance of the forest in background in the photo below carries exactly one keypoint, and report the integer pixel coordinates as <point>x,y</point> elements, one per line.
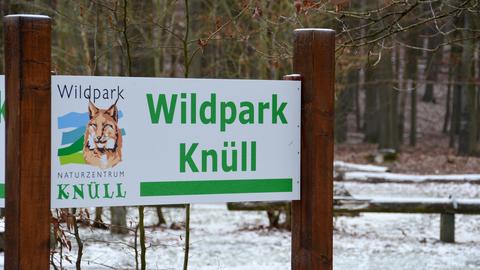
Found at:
<point>388,53</point>
<point>393,57</point>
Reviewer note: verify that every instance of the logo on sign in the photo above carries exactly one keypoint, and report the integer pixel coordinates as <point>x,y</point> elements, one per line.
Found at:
<point>103,138</point>
<point>92,137</point>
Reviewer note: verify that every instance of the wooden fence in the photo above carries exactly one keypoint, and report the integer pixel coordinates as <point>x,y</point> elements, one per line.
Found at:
<point>446,207</point>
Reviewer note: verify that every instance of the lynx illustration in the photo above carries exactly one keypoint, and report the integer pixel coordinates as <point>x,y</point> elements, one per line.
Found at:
<point>103,138</point>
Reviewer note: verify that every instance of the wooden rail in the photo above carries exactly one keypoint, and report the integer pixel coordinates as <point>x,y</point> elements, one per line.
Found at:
<point>407,205</point>
<point>446,207</point>
<point>379,205</point>
<point>397,178</point>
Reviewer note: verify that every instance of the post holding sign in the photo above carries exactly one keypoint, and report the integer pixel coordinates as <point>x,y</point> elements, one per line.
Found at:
<point>142,141</point>
<point>2,141</point>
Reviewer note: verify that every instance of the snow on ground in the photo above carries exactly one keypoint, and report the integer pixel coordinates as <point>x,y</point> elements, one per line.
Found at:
<point>222,239</point>
<point>404,241</point>
<point>232,240</point>
<point>219,240</point>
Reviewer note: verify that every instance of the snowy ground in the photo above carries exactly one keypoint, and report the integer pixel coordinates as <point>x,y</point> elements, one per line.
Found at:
<point>231,240</point>
<point>223,239</point>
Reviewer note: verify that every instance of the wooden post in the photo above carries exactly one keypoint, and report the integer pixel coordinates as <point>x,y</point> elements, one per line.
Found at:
<point>312,216</point>
<point>447,227</point>
<point>27,69</point>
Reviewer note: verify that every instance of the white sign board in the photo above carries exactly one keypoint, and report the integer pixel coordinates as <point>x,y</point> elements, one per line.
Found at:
<point>145,141</point>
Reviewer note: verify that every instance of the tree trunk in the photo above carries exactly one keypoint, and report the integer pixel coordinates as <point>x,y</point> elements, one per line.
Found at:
<point>401,85</point>
<point>370,114</point>
<point>477,75</point>
<point>413,114</point>
<point>447,108</point>
<point>161,218</point>
<point>468,123</point>
<point>343,106</point>
<point>456,104</point>
<point>388,104</point>
<point>411,73</point>
<point>358,125</point>
<point>433,59</point>
<point>98,222</point>
<point>118,220</point>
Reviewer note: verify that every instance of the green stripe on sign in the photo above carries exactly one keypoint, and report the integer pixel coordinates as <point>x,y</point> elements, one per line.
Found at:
<point>75,158</point>
<point>2,191</point>
<point>73,148</point>
<point>203,187</point>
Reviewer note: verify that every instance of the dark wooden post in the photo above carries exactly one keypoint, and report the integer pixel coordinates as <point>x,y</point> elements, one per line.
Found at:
<point>447,227</point>
<point>312,216</point>
<point>27,69</point>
